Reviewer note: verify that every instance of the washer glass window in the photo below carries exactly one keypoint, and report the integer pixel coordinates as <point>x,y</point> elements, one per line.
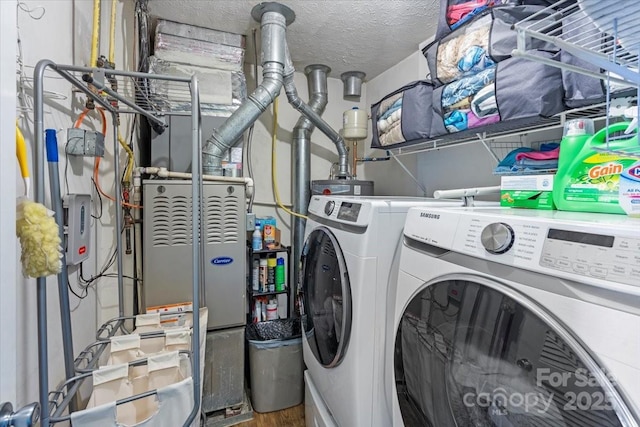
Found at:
<point>467,354</point>
<point>326,297</point>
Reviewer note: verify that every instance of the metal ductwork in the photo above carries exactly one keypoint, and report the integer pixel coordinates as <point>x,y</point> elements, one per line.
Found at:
<point>273,18</point>
<point>352,84</point>
<point>314,118</point>
<point>301,154</point>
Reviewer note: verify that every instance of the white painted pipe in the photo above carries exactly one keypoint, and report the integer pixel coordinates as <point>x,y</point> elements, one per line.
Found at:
<point>165,173</point>
<point>465,192</point>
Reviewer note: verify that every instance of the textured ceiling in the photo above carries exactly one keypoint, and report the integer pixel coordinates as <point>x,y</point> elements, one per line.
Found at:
<point>357,35</point>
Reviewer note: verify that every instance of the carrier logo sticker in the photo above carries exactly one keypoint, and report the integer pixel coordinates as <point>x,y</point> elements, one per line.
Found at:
<point>222,260</point>
<point>429,215</point>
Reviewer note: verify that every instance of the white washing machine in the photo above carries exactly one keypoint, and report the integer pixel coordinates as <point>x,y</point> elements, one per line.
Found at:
<point>505,317</point>
<point>349,247</point>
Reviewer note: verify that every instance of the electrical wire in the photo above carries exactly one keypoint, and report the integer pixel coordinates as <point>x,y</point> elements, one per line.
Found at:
<point>274,177</point>
<point>96,164</point>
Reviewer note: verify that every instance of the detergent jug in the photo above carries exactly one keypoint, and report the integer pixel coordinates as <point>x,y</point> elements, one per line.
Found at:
<point>588,179</point>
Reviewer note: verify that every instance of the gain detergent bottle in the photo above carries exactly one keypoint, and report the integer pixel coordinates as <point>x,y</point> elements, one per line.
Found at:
<point>588,179</point>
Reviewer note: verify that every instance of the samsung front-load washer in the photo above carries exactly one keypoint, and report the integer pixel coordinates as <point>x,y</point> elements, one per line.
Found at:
<point>345,263</point>
<point>505,317</point>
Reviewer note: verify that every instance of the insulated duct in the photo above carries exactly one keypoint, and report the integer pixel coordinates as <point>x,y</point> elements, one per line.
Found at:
<point>273,18</point>
<point>301,155</point>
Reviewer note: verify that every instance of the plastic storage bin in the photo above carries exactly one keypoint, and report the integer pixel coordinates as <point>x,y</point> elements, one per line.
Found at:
<point>275,364</point>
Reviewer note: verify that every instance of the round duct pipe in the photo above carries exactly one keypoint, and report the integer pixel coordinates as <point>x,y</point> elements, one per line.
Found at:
<point>352,84</point>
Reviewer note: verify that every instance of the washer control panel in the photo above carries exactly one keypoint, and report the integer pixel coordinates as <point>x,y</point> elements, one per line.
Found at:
<point>602,256</point>
<point>597,246</point>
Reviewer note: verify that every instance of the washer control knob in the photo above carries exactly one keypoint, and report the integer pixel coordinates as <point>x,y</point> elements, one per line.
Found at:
<point>328,208</point>
<point>497,238</point>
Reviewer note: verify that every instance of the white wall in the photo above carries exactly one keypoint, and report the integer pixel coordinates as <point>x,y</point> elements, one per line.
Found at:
<point>62,36</point>
<point>323,151</point>
<point>8,256</point>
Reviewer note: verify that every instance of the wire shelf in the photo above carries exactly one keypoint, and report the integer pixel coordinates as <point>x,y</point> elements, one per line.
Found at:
<point>601,33</point>
<point>605,37</point>
<point>505,130</point>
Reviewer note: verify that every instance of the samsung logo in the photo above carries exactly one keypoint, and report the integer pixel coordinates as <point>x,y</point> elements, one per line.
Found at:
<point>429,215</point>
<point>222,260</point>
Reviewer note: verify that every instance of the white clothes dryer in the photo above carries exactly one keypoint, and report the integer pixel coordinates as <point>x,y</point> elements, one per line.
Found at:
<point>506,317</point>
<point>345,263</point>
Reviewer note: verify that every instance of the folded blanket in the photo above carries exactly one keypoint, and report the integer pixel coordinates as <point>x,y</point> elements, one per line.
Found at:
<point>468,86</point>
<point>484,102</point>
<point>387,103</point>
<point>456,12</point>
<point>465,48</point>
<point>468,17</point>
<point>393,135</point>
<point>456,121</point>
<point>475,121</point>
<point>539,155</point>
<point>385,124</point>
<point>393,107</point>
<point>463,104</point>
<point>531,165</point>
<point>510,159</point>
<point>474,60</point>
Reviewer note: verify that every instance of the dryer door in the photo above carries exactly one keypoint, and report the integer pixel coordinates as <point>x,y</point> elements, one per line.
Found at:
<point>326,303</point>
<point>472,352</point>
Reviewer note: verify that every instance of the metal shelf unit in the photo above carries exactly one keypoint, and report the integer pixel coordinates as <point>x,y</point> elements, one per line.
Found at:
<point>144,100</point>
<point>604,35</point>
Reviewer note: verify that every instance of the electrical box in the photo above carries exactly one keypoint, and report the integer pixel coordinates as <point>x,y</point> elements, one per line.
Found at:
<point>77,220</point>
<point>82,142</point>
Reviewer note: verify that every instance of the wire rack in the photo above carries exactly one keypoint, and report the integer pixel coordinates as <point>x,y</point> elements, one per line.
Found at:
<point>117,92</point>
<point>494,140</point>
<point>605,37</point>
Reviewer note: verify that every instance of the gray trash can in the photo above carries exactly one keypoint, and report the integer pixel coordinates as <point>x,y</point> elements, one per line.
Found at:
<point>275,364</point>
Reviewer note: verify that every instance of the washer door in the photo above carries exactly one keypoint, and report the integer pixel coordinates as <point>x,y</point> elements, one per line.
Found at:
<point>472,352</point>
<point>326,303</point>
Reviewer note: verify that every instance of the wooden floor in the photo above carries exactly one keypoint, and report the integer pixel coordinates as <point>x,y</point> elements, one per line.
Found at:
<point>292,417</point>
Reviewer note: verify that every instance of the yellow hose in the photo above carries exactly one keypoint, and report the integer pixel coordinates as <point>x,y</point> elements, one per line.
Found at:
<point>95,36</point>
<point>112,33</point>
<point>274,178</point>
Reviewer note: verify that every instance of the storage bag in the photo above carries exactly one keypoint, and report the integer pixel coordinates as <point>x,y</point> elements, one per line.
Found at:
<point>515,91</point>
<point>478,44</point>
<point>455,13</point>
<point>403,115</point>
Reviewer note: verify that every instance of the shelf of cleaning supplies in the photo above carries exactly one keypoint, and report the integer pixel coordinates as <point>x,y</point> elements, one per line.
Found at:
<point>604,37</point>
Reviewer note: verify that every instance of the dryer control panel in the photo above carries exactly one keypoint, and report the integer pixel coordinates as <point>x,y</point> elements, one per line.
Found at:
<point>565,244</point>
